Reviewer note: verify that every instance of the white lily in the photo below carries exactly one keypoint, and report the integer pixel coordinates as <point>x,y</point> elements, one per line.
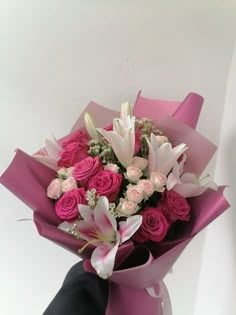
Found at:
<point>100,228</point>
<point>126,111</point>
<point>90,126</point>
<point>49,155</point>
<point>187,184</point>
<point>122,137</point>
<point>162,157</point>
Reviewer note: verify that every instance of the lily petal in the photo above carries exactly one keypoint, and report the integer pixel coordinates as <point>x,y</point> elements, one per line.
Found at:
<point>103,259</point>
<point>174,177</point>
<point>103,219</point>
<point>90,126</point>
<point>166,156</point>
<point>118,126</point>
<point>163,157</point>
<point>191,190</point>
<point>88,230</point>
<point>129,227</point>
<point>86,213</point>
<point>172,180</point>
<point>151,158</point>
<point>126,111</point>
<point>123,146</point>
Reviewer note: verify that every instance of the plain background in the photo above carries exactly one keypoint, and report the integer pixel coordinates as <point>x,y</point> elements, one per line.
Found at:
<point>55,56</point>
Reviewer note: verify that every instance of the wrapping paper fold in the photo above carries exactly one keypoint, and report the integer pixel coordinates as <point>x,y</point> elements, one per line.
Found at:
<point>139,267</point>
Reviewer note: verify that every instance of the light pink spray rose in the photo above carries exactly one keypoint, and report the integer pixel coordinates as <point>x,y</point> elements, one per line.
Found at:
<point>133,173</point>
<point>54,190</point>
<point>126,208</point>
<point>69,184</point>
<point>135,193</point>
<point>159,180</point>
<point>147,187</point>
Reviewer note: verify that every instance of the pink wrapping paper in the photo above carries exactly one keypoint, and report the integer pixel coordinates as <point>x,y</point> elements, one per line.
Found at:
<point>137,268</point>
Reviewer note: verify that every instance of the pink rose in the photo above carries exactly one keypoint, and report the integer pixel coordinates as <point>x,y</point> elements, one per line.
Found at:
<point>72,153</point>
<point>86,168</point>
<point>159,180</point>
<point>140,162</point>
<point>133,173</point>
<point>67,206</point>
<point>68,184</point>
<point>74,149</point>
<point>106,183</point>
<point>135,193</point>
<point>54,189</point>
<point>126,208</point>
<point>77,136</point>
<point>175,207</point>
<point>147,187</point>
<point>112,167</point>
<point>154,226</point>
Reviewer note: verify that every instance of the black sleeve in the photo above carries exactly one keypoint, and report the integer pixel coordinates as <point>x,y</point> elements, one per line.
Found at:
<point>82,293</point>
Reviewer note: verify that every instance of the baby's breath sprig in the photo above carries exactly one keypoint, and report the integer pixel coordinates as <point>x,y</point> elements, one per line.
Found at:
<point>102,149</point>
<point>62,173</point>
<point>74,231</point>
<point>146,126</point>
<point>92,197</point>
<point>112,209</point>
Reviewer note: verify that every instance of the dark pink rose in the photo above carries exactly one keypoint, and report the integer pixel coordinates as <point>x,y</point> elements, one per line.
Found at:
<point>154,226</point>
<point>77,136</point>
<point>106,183</point>
<point>86,168</point>
<point>72,153</point>
<point>137,143</point>
<point>67,206</point>
<point>175,206</point>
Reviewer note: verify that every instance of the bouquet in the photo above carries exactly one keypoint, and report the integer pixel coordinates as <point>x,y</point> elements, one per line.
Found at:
<point>125,191</point>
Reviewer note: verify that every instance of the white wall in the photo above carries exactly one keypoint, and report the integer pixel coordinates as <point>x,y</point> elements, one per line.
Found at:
<point>218,277</point>
<point>57,55</point>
